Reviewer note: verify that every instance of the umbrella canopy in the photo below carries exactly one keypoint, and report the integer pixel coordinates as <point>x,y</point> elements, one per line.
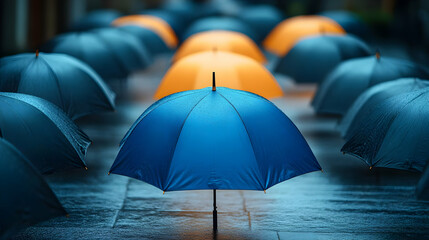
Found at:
<point>69,83</point>
<point>111,52</point>
<point>367,102</point>
<point>176,21</point>
<point>220,40</point>
<point>396,133</point>
<point>213,138</point>
<point>96,19</point>
<point>42,132</point>
<point>233,71</point>
<point>287,33</point>
<point>349,21</point>
<point>26,198</point>
<point>263,18</point>
<point>422,189</point>
<point>220,23</point>
<point>352,77</point>
<point>312,58</point>
<point>156,24</point>
<point>154,43</point>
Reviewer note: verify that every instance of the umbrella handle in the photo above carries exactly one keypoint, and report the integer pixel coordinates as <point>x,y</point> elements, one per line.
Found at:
<point>214,212</point>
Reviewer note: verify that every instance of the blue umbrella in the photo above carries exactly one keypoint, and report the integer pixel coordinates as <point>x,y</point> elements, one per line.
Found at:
<point>148,38</point>
<point>422,189</point>
<point>312,58</point>
<point>395,135</point>
<point>111,52</point>
<point>220,23</point>
<point>42,132</point>
<point>368,100</point>
<point>96,19</point>
<point>352,77</point>
<point>263,18</point>
<point>69,83</point>
<point>350,22</point>
<point>26,198</point>
<point>213,139</point>
<point>176,21</point>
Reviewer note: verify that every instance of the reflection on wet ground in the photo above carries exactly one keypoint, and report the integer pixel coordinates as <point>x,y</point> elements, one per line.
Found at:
<point>346,201</point>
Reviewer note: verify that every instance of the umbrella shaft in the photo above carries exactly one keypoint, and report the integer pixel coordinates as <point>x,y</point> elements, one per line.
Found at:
<point>214,211</point>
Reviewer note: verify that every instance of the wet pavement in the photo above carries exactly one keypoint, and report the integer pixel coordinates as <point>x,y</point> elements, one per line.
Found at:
<point>345,201</point>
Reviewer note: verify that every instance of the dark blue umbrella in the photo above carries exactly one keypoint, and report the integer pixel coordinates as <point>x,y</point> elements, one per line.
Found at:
<point>262,18</point>
<point>220,23</point>
<point>368,100</point>
<point>349,21</point>
<point>69,83</point>
<point>395,135</point>
<point>26,198</point>
<point>352,77</point>
<point>42,132</point>
<point>313,58</point>
<point>148,38</point>
<point>176,21</point>
<point>422,190</point>
<point>213,139</point>
<point>111,52</point>
<point>96,19</point>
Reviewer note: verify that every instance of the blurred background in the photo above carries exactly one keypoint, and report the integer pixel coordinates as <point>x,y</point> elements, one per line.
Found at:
<point>26,24</point>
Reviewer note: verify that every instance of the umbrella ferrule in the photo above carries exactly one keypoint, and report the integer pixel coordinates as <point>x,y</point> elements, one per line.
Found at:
<point>214,82</point>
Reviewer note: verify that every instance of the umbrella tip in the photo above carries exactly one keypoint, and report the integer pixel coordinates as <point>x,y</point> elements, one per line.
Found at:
<point>86,168</point>
<point>214,82</point>
<point>265,191</point>
<point>108,173</point>
<point>67,215</point>
<point>370,167</point>
<point>377,54</point>
<point>37,53</point>
<point>321,170</point>
<point>163,192</point>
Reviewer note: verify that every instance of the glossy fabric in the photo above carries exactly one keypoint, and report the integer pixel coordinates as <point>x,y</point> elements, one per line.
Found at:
<point>223,139</point>
<point>26,198</point>
<point>367,102</point>
<point>112,53</point>
<point>42,132</point>
<point>287,33</point>
<point>232,70</point>
<point>395,135</point>
<point>313,58</point>
<point>95,19</point>
<point>63,80</point>
<point>221,41</point>
<point>351,78</point>
<point>220,23</point>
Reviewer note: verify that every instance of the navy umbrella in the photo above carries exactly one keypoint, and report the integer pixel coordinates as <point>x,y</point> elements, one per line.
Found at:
<point>350,22</point>
<point>42,132</point>
<point>368,100</point>
<point>26,198</point>
<point>96,19</point>
<point>352,77</point>
<point>313,58</point>
<point>263,18</point>
<point>214,138</point>
<point>148,38</point>
<point>422,189</point>
<point>69,83</point>
<point>176,22</point>
<point>395,135</point>
<point>111,52</point>
<point>220,23</point>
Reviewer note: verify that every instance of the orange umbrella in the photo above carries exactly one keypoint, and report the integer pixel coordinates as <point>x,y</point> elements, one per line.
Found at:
<point>156,24</point>
<point>220,40</point>
<point>290,31</point>
<point>232,70</point>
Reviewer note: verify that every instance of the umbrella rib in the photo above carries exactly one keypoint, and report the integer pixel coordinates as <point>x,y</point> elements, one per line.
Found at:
<point>248,135</point>
<point>57,83</point>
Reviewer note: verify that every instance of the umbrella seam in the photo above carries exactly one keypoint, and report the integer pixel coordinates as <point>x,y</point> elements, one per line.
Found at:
<point>57,82</point>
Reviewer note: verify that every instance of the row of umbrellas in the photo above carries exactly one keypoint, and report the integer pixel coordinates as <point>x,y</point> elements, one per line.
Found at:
<point>205,132</point>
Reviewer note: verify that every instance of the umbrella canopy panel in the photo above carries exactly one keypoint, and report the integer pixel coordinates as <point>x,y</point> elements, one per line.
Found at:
<point>312,58</point>
<point>350,22</point>
<point>42,132</point>
<point>232,70</point>
<point>153,42</point>
<point>96,19</point>
<point>220,40</point>
<point>262,18</point>
<point>352,77</point>
<point>395,134</point>
<point>26,198</point>
<point>422,189</point>
<point>63,80</point>
<point>214,138</point>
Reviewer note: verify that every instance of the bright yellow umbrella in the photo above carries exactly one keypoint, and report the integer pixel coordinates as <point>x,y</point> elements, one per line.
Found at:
<point>220,40</point>
<point>290,31</point>
<point>156,24</point>
<point>232,71</point>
